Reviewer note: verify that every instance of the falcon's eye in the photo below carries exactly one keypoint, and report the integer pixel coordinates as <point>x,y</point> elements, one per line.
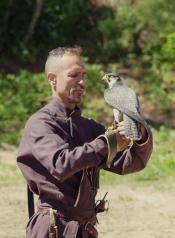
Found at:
<point>118,78</point>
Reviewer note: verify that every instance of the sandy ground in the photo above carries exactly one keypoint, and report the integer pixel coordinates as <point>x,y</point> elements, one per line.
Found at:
<point>139,213</point>
<point>135,212</point>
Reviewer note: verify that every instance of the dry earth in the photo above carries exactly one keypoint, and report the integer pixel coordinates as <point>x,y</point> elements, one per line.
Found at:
<point>135,212</point>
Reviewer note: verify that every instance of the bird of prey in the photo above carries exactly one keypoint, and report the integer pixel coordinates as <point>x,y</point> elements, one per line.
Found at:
<point>125,104</point>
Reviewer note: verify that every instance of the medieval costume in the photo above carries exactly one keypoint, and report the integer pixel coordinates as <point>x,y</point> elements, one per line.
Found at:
<point>60,156</point>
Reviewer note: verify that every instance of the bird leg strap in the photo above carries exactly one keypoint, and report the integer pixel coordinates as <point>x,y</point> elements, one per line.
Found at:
<point>111,140</point>
<point>115,144</point>
<point>113,126</point>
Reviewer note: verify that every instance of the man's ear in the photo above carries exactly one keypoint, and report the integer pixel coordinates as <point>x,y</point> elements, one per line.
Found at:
<point>52,79</point>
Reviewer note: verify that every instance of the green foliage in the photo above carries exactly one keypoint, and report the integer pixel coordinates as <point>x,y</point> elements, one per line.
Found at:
<point>135,35</point>
<point>168,49</point>
<point>153,90</point>
<point>13,21</point>
<point>160,13</point>
<point>94,83</point>
<point>60,23</point>
<point>118,33</point>
<point>21,96</point>
<point>96,108</point>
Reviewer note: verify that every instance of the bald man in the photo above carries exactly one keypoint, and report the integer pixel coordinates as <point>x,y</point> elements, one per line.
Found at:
<point>61,154</point>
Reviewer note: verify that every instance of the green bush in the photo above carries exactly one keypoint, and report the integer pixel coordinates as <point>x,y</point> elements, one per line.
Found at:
<point>60,23</point>
<point>20,96</point>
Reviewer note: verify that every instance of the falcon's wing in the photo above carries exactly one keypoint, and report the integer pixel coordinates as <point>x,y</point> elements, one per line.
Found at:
<point>122,96</point>
<point>117,115</point>
<point>124,100</point>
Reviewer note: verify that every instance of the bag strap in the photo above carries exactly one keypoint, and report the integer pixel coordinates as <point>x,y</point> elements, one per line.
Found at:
<point>30,198</point>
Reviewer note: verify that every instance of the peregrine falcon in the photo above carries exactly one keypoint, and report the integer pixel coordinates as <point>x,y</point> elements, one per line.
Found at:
<point>125,105</point>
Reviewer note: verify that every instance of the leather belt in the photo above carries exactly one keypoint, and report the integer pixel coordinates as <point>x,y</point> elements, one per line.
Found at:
<point>83,223</point>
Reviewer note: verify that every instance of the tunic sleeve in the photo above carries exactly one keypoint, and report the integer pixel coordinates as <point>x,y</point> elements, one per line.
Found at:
<point>132,159</point>
<point>55,153</point>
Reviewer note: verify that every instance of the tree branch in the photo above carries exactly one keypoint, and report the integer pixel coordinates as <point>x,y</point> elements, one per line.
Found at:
<point>35,17</point>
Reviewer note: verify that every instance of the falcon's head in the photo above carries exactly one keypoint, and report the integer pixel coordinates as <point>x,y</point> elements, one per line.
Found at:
<point>111,78</point>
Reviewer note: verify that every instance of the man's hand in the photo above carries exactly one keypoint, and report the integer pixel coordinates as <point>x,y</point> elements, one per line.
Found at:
<point>117,140</point>
<point>122,141</point>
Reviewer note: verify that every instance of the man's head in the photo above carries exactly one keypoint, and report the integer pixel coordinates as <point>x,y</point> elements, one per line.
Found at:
<point>65,72</point>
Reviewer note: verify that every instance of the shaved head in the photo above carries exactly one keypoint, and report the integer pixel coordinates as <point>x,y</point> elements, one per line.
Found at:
<point>54,59</point>
<point>65,73</point>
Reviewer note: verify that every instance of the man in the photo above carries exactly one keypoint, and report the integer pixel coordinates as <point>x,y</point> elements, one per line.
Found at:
<point>61,153</point>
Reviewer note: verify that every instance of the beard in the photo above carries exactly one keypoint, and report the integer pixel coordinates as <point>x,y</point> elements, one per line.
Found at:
<point>74,99</point>
<point>75,94</point>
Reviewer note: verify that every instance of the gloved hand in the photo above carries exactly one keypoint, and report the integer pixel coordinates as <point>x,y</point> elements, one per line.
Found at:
<point>116,140</point>
<point>122,140</point>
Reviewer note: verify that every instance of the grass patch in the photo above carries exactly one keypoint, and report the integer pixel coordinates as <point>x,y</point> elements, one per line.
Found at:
<point>9,173</point>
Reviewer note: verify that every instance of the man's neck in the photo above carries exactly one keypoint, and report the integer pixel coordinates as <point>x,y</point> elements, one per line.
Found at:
<point>68,104</point>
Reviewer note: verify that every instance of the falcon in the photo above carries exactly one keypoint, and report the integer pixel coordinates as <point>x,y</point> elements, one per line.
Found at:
<point>125,104</point>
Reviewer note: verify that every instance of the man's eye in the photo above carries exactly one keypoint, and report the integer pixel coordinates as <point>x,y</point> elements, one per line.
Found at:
<point>78,76</point>
<point>73,75</point>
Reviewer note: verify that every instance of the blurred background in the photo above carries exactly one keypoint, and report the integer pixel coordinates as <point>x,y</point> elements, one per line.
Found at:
<point>133,37</point>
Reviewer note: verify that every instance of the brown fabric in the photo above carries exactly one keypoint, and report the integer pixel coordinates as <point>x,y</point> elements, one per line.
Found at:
<point>86,224</point>
<point>38,227</point>
<point>60,158</point>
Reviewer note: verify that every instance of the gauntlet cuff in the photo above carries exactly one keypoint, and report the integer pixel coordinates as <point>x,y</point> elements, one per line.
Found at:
<point>111,139</point>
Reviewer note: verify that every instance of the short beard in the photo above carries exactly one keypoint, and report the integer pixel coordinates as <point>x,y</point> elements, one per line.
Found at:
<point>74,99</point>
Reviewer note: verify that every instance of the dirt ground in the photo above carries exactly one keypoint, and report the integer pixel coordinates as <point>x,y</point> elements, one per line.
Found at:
<point>135,212</point>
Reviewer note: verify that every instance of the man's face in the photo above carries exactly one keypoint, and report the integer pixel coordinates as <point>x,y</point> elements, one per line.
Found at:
<point>70,80</point>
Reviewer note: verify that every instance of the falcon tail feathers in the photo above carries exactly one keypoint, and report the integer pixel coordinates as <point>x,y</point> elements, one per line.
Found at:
<point>132,128</point>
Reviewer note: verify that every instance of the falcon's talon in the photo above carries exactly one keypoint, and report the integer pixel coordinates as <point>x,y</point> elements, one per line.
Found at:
<point>115,125</point>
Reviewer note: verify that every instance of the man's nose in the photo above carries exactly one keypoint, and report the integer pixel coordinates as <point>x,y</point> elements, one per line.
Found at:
<point>81,82</point>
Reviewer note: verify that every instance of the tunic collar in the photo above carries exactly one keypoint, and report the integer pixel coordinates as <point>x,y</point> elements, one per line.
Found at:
<point>59,109</point>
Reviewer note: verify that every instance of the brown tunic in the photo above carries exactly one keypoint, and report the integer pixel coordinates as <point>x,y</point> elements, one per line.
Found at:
<point>60,157</point>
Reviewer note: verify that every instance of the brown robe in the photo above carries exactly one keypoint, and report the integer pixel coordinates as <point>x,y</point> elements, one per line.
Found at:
<point>60,157</point>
